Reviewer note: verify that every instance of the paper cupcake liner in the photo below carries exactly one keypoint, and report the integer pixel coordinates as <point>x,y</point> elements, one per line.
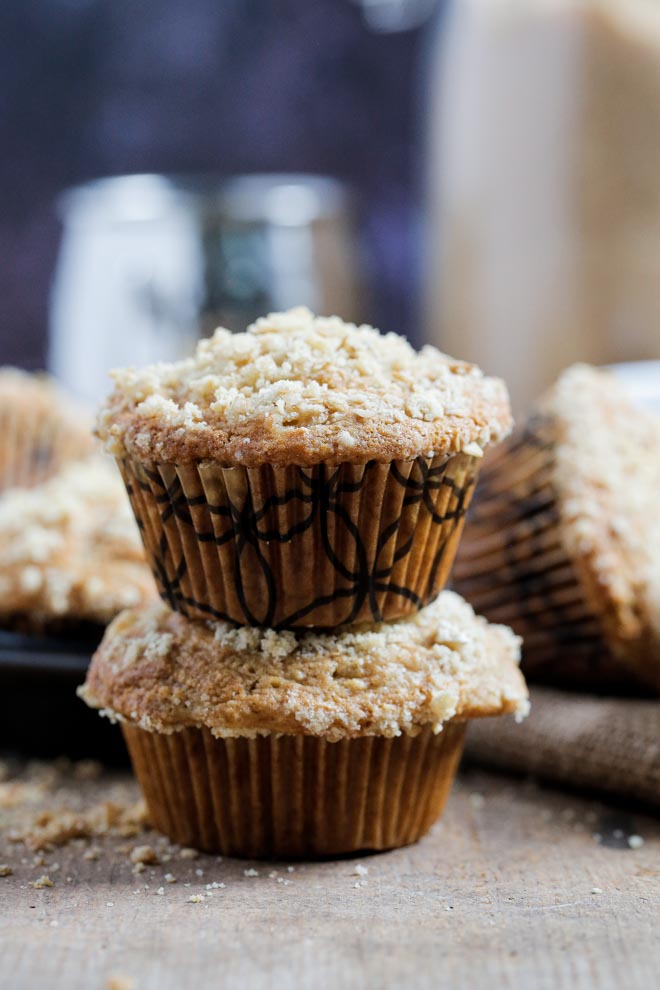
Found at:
<point>34,446</point>
<point>513,569</point>
<point>294,796</point>
<point>301,547</point>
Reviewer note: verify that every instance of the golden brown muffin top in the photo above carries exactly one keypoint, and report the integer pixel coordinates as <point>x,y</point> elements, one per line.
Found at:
<point>70,548</point>
<point>606,473</point>
<point>163,672</point>
<point>300,389</point>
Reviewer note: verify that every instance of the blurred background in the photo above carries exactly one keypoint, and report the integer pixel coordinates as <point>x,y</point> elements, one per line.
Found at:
<point>482,174</point>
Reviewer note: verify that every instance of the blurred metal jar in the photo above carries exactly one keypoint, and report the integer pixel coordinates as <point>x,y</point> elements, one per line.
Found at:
<point>150,263</point>
<point>544,186</point>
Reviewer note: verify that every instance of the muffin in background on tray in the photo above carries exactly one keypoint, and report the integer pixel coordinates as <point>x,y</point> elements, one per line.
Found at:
<point>41,429</point>
<point>259,743</point>
<point>70,551</point>
<point>563,538</point>
<point>308,472</point>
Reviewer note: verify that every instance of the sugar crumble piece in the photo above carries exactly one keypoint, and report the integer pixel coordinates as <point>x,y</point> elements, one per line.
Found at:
<point>5,870</point>
<point>215,885</point>
<point>195,898</point>
<point>250,873</point>
<point>596,890</point>
<point>290,869</point>
<point>635,841</point>
<point>92,853</point>
<point>144,854</point>
<point>138,868</point>
<point>41,882</point>
<point>360,870</point>
<point>120,983</point>
<point>199,873</point>
<point>169,878</point>
<point>160,891</point>
<point>188,853</point>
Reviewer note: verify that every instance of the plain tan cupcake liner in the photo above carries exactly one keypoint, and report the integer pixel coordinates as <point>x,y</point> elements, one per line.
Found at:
<point>295,547</point>
<point>513,569</point>
<point>287,797</point>
<point>35,444</point>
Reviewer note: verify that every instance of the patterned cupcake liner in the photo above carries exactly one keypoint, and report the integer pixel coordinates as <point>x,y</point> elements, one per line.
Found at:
<point>512,567</point>
<point>301,547</point>
<point>34,445</point>
<point>294,796</point>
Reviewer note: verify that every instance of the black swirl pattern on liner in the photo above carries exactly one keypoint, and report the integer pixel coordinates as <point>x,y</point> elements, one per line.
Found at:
<point>433,493</point>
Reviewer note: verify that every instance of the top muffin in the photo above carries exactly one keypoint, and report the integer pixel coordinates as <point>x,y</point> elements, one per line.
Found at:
<point>299,389</point>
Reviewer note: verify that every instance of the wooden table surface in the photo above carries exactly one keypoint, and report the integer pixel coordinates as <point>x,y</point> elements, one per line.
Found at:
<point>518,886</point>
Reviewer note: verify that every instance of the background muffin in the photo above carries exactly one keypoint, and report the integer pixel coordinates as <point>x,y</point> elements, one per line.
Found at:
<point>40,429</point>
<point>258,743</point>
<point>305,473</point>
<point>563,541</point>
<point>70,551</point>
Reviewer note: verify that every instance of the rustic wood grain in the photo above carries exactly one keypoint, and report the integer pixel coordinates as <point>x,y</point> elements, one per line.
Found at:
<point>499,895</point>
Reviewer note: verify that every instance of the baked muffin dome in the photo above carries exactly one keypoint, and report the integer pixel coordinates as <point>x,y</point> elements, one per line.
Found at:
<point>299,389</point>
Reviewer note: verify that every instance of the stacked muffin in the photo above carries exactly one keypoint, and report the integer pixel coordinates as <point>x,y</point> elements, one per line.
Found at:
<point>300,490</point>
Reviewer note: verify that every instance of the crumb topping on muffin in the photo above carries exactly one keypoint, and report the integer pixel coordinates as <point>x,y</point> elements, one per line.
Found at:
<point>163,672</point>
<point>70,548</point>
<point>607,476</point>
<point>300,389</point>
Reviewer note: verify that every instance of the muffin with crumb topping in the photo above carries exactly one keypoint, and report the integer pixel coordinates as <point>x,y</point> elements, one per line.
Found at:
<point>40,429</point>
<point>563,541</point>
<point>258,743</point>
<point>307,472</point>
<point>70,552</point>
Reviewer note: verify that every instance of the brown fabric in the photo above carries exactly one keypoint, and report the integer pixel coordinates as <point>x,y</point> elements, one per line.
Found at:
<point>606,744</point>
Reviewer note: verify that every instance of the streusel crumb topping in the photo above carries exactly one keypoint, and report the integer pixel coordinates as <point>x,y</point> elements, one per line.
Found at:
<point>607,476</point>
<point>299,389</point>
<point>161,671</point>
<point>70,547</point>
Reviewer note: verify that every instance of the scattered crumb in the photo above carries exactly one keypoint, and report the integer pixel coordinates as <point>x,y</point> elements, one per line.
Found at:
<point>42,882</point>
<point>109,903</point>
<point>120,983</point>
<point>139,868</point>
<point>161,891</point>
<point>477,800</point>
<point>5,870</point>
<point>169,878</point>
<point>596,890</point>
<point>92,853</point>
<point>143,854</point>
<point>199,873</point>
<point>360,870</point>
<point>195,898</point>
<point>215,885</point>
<point>250,873</point>
<point>290,869</point>
<point>188,853</point>
<point>635,841</point>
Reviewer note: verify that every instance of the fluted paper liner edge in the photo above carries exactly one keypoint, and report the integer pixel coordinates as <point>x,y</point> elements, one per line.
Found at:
<point>294,796</point>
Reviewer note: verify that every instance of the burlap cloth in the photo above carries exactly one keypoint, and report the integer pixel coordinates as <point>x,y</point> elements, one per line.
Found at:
<point>610,745</point>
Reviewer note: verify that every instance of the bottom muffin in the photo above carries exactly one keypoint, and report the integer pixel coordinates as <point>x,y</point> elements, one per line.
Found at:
<point>257,743</point>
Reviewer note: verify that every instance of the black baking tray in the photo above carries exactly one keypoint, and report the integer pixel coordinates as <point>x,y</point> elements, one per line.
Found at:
<point>40,713</point>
